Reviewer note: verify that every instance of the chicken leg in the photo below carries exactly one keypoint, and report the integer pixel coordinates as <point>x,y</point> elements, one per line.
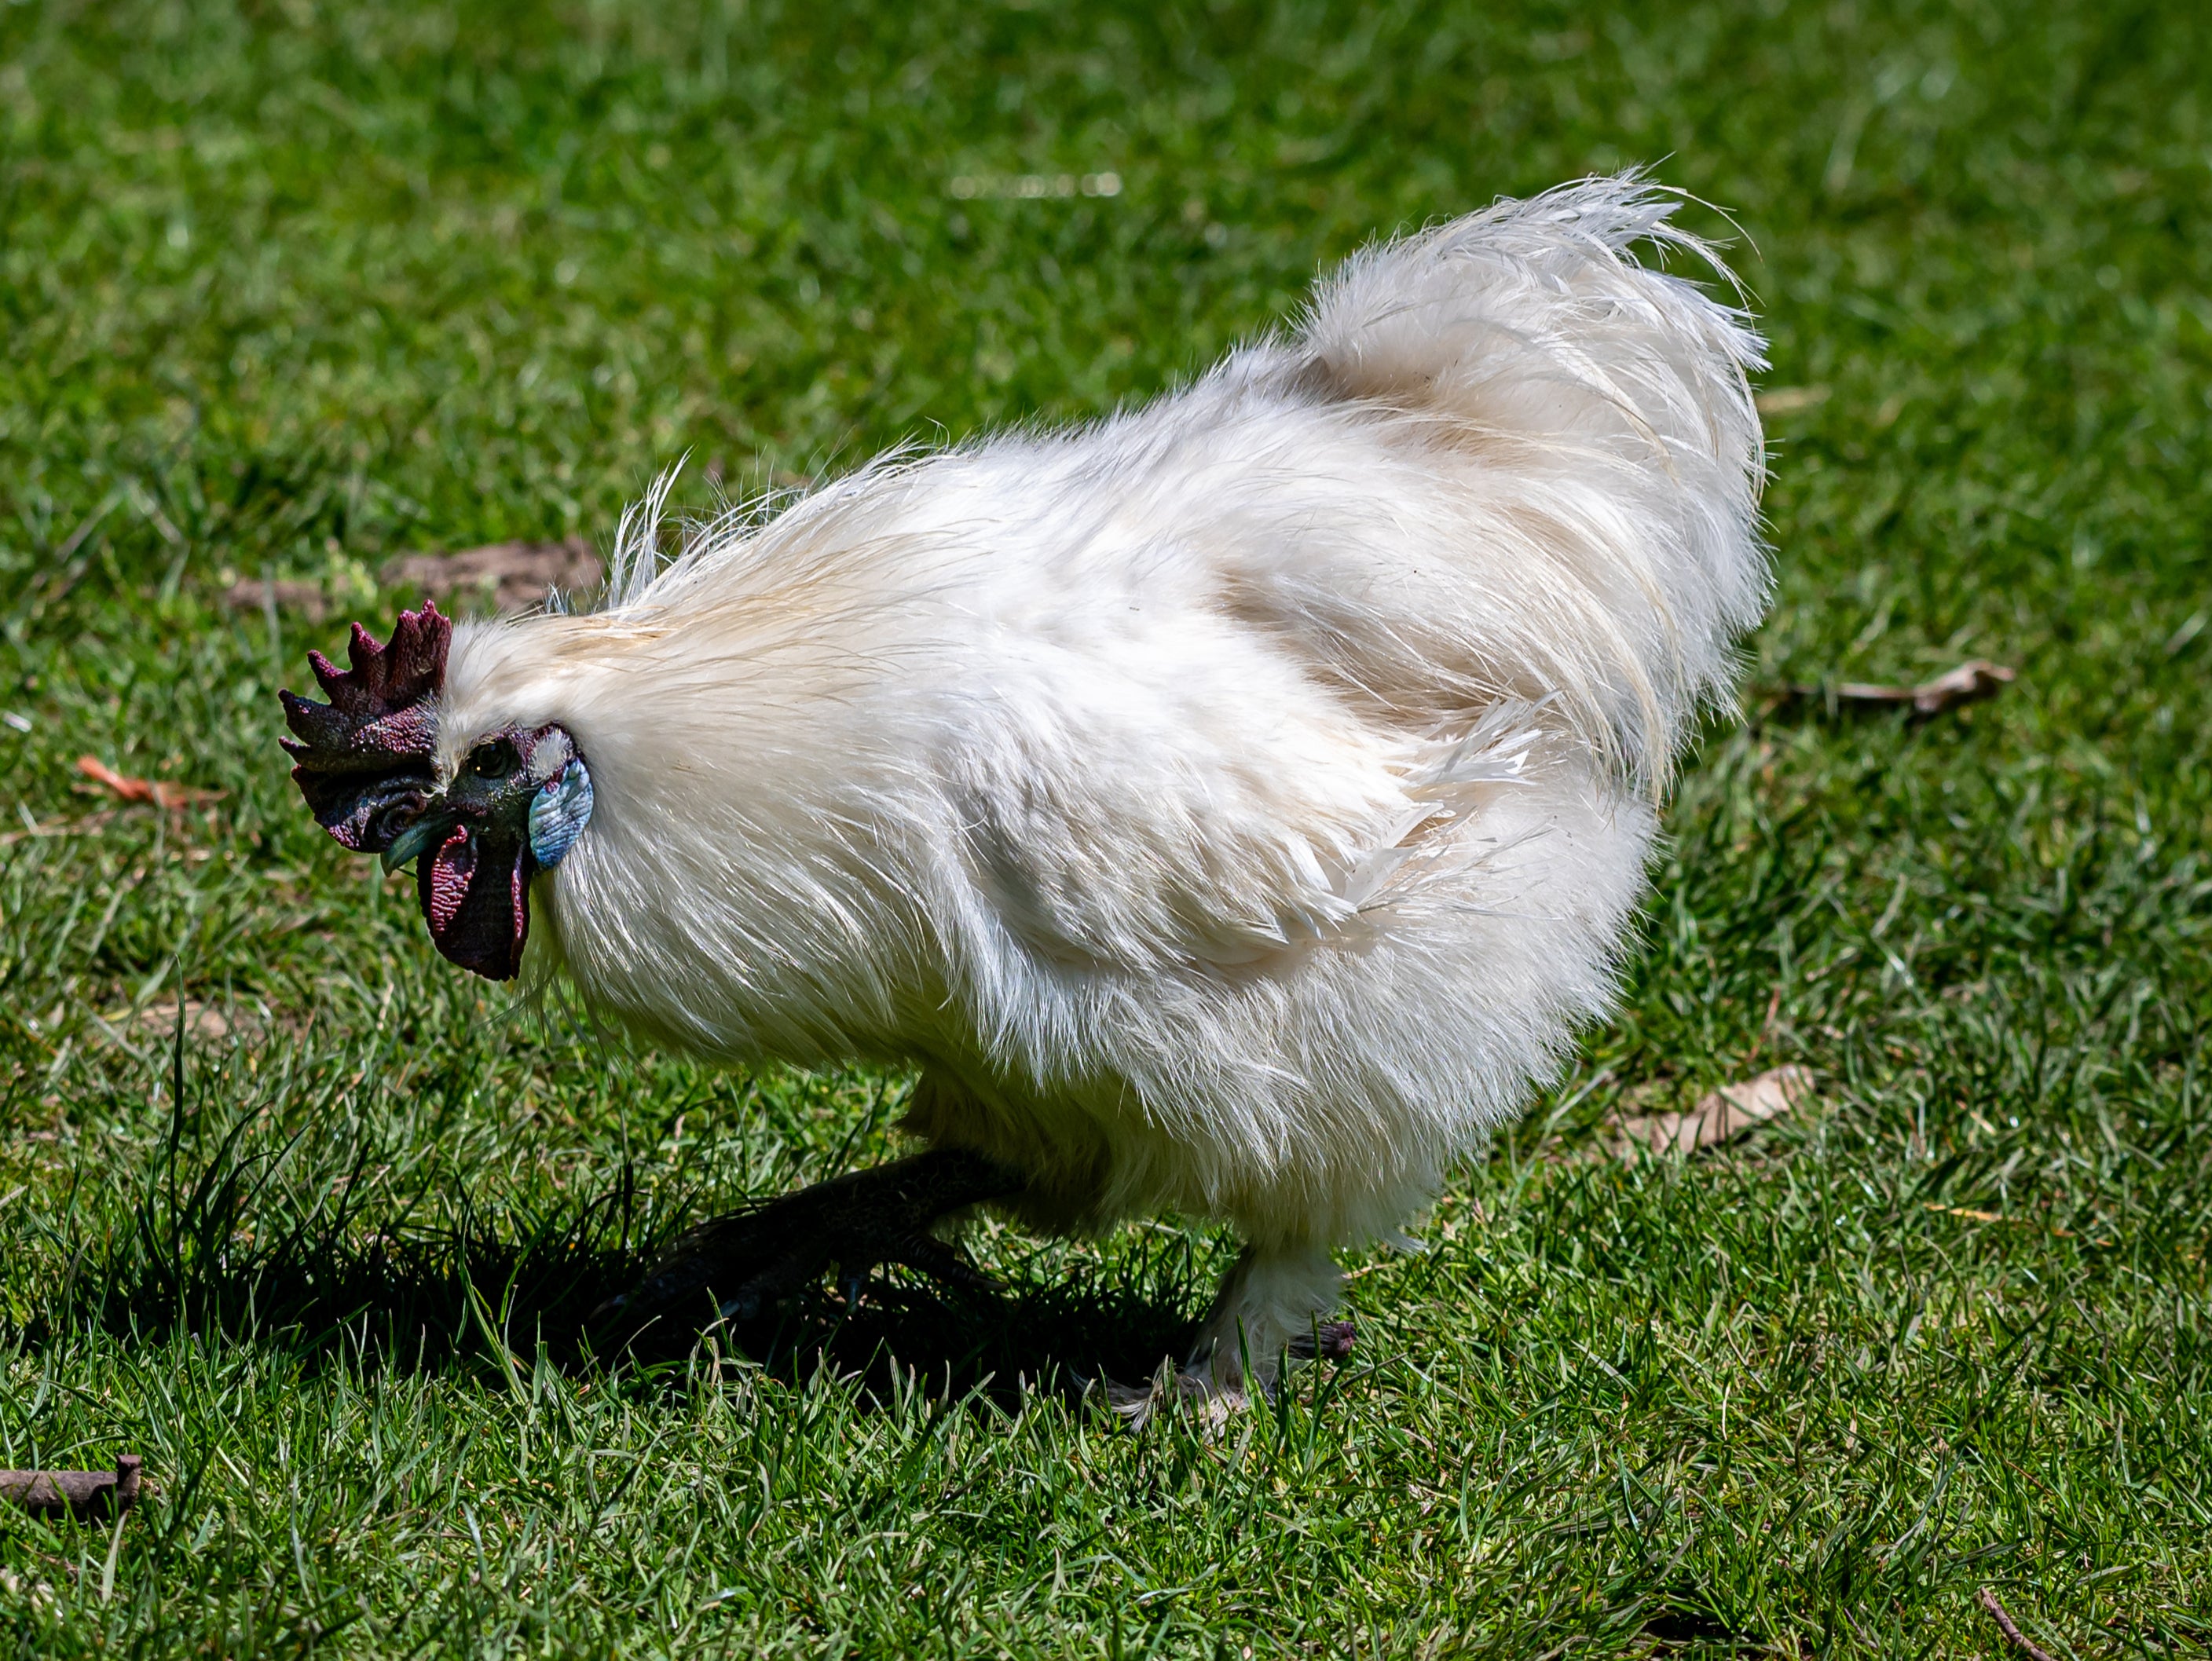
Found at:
<point>1274,1307</point>
<point>741,1262</point>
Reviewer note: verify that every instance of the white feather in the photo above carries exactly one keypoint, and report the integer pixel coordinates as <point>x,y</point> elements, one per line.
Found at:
<point>1234,806</point>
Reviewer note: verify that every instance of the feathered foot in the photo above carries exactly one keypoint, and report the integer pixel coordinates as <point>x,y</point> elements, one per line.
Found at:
<point>737,1265</point>
<point>1213,1396</point>
<point>1269,1311</point>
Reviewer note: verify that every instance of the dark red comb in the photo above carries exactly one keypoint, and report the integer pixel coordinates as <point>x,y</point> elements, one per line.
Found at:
<point>364,757</point>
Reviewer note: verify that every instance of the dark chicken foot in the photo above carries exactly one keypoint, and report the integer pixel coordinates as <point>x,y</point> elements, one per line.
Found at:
<point>740,1264</point>
<point>1331,1341</point>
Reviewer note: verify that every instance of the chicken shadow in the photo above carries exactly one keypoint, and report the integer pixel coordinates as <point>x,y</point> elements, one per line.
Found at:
<point>1031,1337</point>
<point>488,1287</point>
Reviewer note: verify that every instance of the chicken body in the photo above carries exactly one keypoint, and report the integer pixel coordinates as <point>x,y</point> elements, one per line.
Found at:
<point>1233,807</point>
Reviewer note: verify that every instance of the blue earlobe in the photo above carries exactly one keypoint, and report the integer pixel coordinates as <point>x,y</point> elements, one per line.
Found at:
<point>559,813</point>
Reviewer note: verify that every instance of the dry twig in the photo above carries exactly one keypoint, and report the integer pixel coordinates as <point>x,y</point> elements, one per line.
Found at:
<point>80,1493</point>
<point>2021,1641</point>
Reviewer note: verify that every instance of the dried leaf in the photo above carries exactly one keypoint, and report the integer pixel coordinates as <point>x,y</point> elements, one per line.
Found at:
<point>151,1030</point>
<point>1966,1211</point>
<point>91,825</point>
<point>202,1020</point>
<point>162,792</point>
<point>1972,1214</point>
<point>1781,400</point>
<point>1968,683</point>
<point>501,576</point>
<point>1726,1113</point>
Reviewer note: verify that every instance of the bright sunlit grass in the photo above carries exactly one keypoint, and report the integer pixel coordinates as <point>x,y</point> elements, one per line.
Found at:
<point>289,290</point>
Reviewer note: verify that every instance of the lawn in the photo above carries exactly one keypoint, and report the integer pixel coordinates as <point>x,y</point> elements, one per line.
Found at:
<point>310,1220</point>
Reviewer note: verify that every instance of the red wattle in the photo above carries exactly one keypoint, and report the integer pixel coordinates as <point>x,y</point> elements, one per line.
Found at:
<point>519,891</point>
<point>475,891</point>
<point>451,868</point>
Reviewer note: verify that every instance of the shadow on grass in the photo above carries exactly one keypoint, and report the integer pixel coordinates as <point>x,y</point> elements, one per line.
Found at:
<point>234,1250</point>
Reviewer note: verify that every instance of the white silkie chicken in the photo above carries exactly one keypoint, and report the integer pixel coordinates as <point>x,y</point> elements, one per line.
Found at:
<point>1232,808</point>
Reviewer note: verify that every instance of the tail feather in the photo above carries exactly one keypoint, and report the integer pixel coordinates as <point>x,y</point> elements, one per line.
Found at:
<point>1612,453</point>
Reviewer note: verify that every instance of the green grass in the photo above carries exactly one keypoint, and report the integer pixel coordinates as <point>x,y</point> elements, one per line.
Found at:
<point>286,290</point>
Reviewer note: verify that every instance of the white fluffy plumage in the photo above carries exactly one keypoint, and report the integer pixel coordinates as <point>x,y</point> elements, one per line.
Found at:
<point>1232,807</point>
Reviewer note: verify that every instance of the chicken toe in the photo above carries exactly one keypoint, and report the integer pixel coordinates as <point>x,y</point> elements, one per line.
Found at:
<point>1270,1312</point>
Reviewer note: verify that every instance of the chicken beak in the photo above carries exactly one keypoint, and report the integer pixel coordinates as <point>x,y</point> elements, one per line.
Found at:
<point>425,834</point>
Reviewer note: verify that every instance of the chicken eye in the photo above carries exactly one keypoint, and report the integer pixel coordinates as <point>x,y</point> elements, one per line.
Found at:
<point>495,758</point>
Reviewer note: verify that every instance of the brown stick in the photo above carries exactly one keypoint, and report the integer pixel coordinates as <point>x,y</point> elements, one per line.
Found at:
<point>80,1493</point>
<point>2026,1644</point>
<point>1968,683</point>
